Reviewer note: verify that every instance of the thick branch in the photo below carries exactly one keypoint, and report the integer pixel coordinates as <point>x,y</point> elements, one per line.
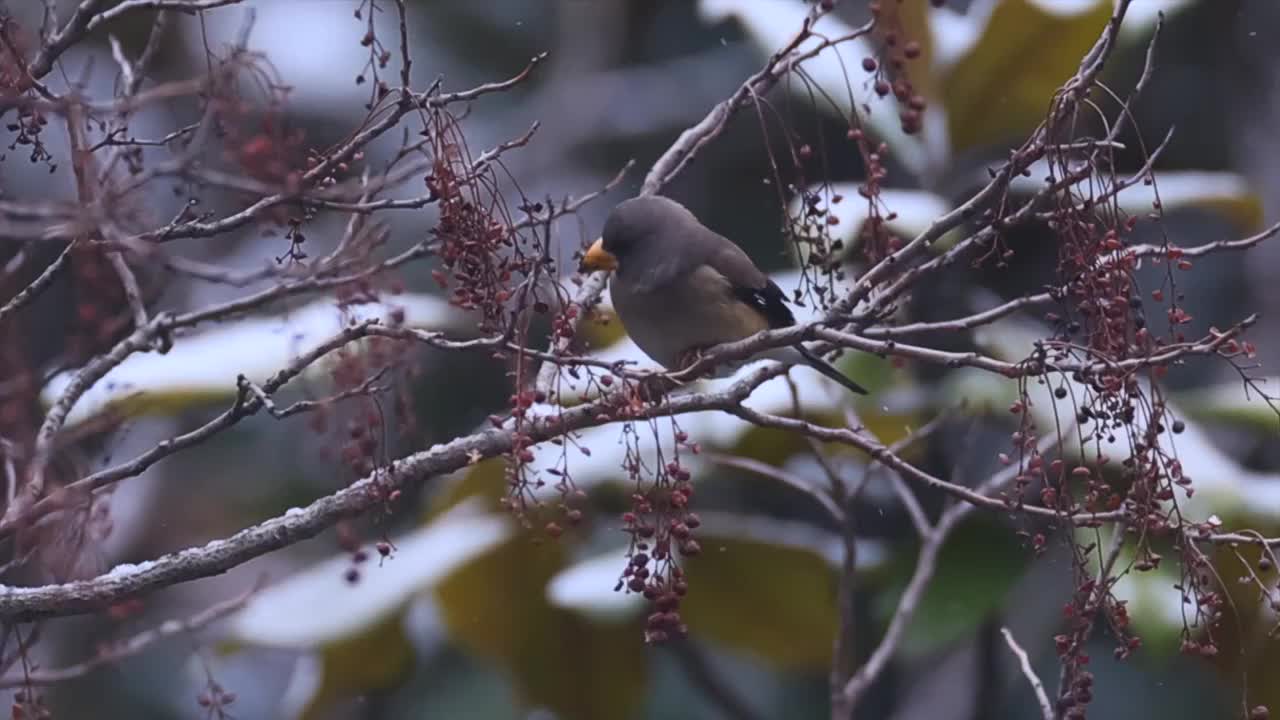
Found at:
<point>19,604</point>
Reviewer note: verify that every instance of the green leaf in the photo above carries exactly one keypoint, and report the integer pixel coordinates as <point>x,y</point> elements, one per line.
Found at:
<point>581,669</point>
<point>1000,88</point>
<point>377,660</point>
<point>355,627</point>
<point>976,568</point>
<point>587,586</point>
<point>484,482</point>
<point>775,601</point>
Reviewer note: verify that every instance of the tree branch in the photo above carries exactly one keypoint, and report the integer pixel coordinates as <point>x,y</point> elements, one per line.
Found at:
<point>132,646</point>
<point>1037,687</point>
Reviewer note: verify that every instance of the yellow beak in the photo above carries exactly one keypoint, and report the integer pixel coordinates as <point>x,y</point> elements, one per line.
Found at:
<point>597,258</point>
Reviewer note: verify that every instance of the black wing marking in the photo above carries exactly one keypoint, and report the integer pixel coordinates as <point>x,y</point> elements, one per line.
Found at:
<point>769,301</point>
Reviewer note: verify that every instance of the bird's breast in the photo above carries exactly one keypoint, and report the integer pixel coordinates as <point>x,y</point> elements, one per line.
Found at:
<point>694,311</point>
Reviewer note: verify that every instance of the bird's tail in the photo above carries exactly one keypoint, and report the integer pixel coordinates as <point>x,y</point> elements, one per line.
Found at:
<point>825,368</point>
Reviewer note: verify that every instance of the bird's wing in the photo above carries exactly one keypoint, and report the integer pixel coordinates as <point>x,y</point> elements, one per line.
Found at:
<point>748,284</point>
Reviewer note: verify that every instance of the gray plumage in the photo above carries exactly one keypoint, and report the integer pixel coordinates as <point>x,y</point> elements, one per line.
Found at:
<point>680,287</point>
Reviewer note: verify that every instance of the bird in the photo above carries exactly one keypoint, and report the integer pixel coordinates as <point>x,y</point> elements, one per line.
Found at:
<point>680,288</point>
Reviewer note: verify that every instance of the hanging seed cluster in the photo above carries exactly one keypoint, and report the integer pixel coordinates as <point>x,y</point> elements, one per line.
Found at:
<point>481,258</point>
<point>662,531</point>
<point>890,71</point>
<point>29,123</point>
<point>899,51</point>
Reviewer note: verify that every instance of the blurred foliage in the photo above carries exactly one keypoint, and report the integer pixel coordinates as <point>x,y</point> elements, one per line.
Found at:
<point>774,602</point>
<point>977,567</point>
<point>1002,87</point>
<point>769,602</point>
<point>497,607</point>
<point>372,662</point>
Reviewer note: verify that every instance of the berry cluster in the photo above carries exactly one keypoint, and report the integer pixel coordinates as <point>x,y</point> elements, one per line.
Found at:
<point>899,52</point>
<point>662,530</point>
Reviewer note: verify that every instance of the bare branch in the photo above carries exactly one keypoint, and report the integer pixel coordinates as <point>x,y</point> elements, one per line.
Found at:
<point>1046,707</point>
<point>89,16</point>
<point>37,286</point>
<point>84,379</point>
<point>697,666</point>
<point>833,511</point>
<point>19,604</point>
<point>132,293</point>
<point>132,646</point>
<point>926,564</point>
<point>682,152</point>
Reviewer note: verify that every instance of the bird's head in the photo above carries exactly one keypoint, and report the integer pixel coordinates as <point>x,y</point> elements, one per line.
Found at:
<point>639,225</point>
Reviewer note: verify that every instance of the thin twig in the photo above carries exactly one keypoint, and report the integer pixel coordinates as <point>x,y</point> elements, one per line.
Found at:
<point>926,564</point>
<point>697,667</point>
<point>1046,708</point>
<point>113,654</point>
<point>832,510</point>
<point>37,286</point>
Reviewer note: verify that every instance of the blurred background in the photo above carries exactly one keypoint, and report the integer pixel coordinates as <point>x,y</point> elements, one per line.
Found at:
<point>492,625</point>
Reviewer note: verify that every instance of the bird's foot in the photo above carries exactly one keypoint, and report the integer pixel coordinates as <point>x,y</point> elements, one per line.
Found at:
<point>653,388</point>
<point>690,357</point>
